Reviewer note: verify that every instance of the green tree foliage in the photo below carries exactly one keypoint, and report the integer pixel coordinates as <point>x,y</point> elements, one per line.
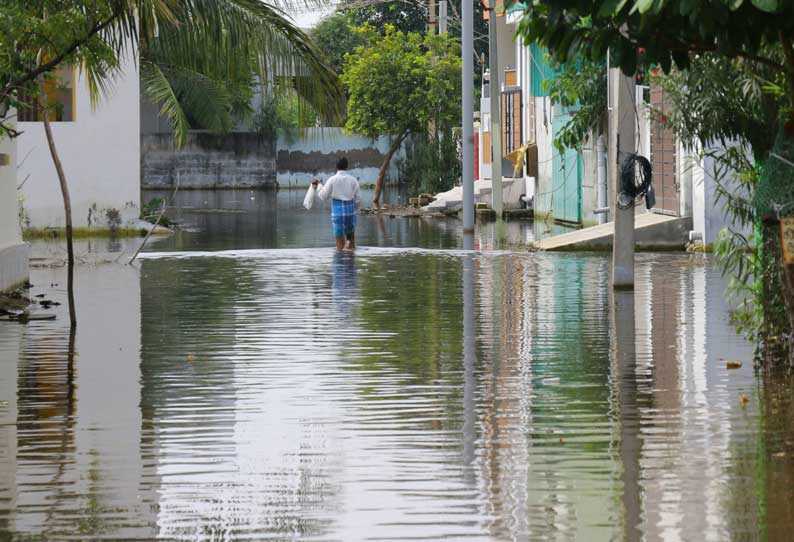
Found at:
<point>722,100</point>
<point>581,84</point>
<point>668,30</point>
<point>731,109</point>
<point>336,36</point>
<point>41,35</point>
<point>407,17</point>
<point>402,84</point>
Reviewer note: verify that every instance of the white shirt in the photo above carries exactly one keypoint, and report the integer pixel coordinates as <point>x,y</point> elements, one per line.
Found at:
<point>341,186</point>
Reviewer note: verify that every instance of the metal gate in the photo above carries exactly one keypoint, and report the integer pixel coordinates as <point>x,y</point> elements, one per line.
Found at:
<point>566,176</point>
<point>663,156</point>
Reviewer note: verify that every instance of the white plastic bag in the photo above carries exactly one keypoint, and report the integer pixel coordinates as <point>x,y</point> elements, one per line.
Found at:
<point>308,201</point>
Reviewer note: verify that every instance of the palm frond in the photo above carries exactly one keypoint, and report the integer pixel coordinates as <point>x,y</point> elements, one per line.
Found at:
<point>207,101</point>
<point>225,37</point>
<point>160,91</point>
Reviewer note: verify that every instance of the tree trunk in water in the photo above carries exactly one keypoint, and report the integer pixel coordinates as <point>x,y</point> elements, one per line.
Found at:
<point>384,166</point>
<point>67,208</point>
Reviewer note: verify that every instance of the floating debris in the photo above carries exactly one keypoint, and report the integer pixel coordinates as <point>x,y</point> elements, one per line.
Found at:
<point>733,364</point>
<point>25,317</point>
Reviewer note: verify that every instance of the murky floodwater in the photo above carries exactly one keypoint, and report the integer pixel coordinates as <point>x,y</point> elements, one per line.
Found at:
<point>275,390</point>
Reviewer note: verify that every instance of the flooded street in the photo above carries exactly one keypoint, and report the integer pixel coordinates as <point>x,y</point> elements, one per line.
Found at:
<point>242,381</point>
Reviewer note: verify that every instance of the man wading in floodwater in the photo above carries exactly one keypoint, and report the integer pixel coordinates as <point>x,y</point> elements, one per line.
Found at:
<point>345,196</point>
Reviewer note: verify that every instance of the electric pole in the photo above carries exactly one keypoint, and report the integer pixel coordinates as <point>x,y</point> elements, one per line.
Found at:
<point>442,16</point>
<point>496,114</point>
<point>467,117</point>
<point>621,123</point>
<point>431,18</point>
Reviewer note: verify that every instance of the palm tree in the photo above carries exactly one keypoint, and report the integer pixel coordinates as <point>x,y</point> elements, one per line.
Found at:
<point>201,65</point>
<point>190,51</point>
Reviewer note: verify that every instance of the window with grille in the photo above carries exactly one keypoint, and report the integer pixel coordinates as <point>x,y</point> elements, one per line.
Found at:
<point>511,120</point>
<point>58,95</point>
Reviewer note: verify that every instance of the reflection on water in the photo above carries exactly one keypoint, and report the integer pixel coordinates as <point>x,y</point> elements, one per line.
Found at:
<point>389,395</point>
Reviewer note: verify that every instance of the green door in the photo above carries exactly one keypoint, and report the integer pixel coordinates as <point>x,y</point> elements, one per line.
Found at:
<point>566,176</point>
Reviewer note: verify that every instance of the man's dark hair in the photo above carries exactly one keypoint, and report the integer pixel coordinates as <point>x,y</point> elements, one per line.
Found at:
<point>341,164</point>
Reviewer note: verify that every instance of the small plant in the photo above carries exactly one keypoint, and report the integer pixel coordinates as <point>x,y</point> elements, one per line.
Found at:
<point>113,217</point>
<point>150,211</point>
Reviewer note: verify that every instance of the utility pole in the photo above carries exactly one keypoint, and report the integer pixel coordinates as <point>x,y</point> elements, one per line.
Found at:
<point>621,122</point>
<point>467,118</point>
<point>431,18</point>
<point>496,114</point>
<point>442,16</point>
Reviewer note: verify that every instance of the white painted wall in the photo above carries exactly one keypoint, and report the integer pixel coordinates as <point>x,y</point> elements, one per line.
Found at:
<point>13,252</point>
<point>708,215</point>
<point>334,143</point>
<point>590,180</point>
<point>100,152</point>
<point>544,136</point>
<point>485,127</point>
<point>9,224</point>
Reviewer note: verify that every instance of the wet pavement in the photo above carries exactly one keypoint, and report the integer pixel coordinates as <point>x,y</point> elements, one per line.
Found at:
<point>242,381</point>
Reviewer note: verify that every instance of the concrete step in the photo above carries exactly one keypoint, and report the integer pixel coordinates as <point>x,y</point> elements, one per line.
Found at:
<point>452,199</point>
<point>652,231</point>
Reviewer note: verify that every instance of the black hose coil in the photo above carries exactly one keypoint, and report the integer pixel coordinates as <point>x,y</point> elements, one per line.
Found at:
<point>635,180</point>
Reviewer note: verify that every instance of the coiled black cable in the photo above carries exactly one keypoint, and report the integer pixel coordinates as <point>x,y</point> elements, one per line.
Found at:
<point>636,176</point>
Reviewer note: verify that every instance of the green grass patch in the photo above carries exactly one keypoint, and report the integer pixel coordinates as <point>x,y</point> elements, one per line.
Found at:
<point>32,234</point>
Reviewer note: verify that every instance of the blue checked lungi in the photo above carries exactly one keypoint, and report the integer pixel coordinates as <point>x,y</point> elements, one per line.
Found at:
<point>343,217</point>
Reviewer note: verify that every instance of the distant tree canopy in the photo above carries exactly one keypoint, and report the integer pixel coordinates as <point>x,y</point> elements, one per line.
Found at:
<point>401,84</point>
<point>336,36</point>
<point>333,34</point>
<point>404,16</point>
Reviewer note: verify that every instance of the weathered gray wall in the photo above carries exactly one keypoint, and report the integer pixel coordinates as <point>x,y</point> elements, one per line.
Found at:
<point>234,160</point>
<point>316,150</point>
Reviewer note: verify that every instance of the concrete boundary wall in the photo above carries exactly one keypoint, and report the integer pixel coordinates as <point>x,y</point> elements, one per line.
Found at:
<point>233,160</point>
<point>248,160</point>
<point>316,150</point>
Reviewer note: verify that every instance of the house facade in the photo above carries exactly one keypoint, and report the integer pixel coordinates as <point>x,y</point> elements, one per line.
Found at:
<point>99,146</point>
<point>572,187</point>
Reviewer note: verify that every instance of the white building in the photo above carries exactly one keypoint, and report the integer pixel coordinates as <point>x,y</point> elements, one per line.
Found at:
<point>100,150</point>
<point>13,252</point>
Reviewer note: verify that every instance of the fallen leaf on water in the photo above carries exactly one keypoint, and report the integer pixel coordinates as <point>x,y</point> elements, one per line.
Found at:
<point>562,441</point>
<point>191,357</point>
<point>733,364</point>
<point>743,399</point>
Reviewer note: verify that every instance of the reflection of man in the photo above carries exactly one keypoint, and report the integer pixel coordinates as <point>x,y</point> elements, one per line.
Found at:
<point>345,194</point>
<point>343,283</point>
